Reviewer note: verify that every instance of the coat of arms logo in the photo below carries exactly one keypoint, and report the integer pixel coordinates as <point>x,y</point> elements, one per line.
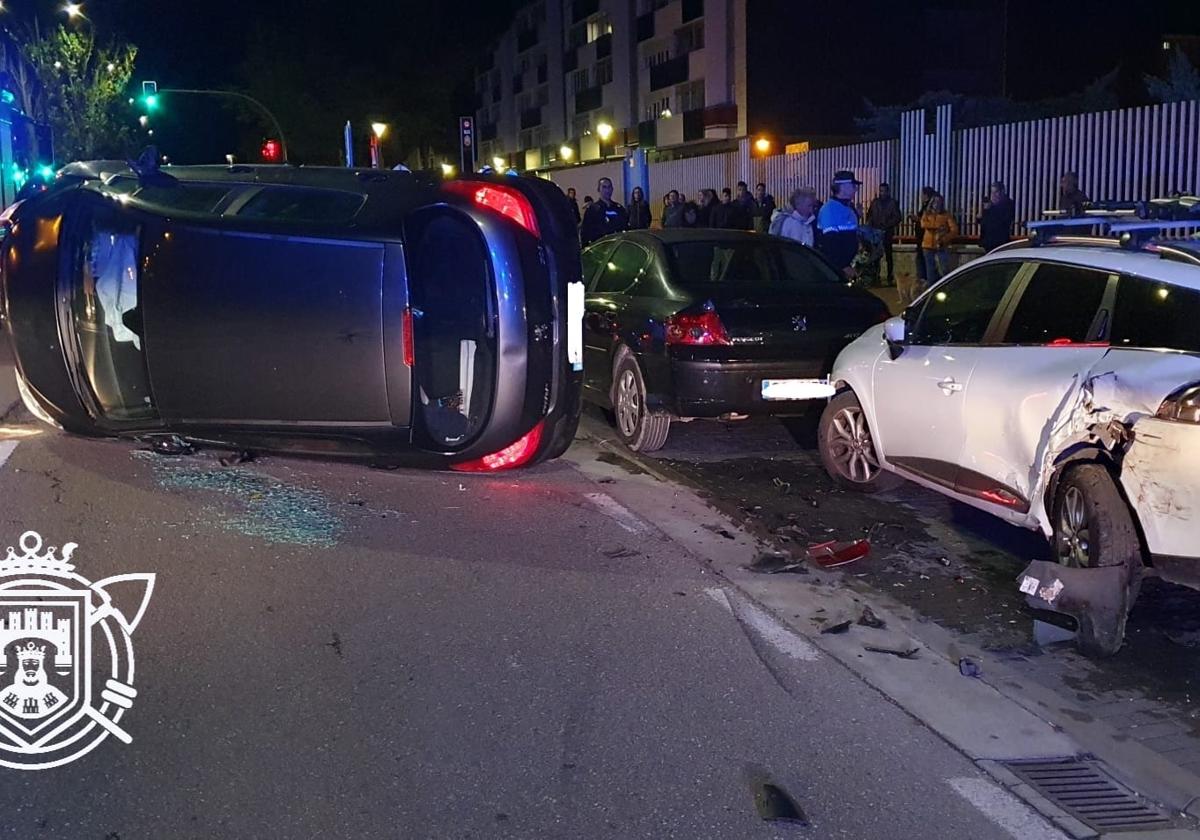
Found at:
<point>55,703</point>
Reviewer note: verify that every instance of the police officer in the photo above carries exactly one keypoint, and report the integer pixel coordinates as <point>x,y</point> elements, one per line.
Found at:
<point>604,216</point>
<point>838,223</point>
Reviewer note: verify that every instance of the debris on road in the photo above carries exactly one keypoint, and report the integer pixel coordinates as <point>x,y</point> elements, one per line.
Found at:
<point>902,650</point>
<point>722,532</point>
<point>969,668</point>
<point>773,563</point>
<point>1046,633</point>
<point>831,554</point>
<point>774,805</point>
<point>244,456</point>
<point>619,552</point>
<point>837,626</point>
<point>170,445</point>
<point>1098,598</point>
<point>869,619</point>
<point>945,561</point>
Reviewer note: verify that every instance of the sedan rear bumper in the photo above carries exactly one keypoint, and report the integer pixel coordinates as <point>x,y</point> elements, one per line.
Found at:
<point>713,388</point>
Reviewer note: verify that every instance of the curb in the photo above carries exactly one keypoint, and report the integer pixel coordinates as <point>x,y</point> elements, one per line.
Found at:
<point>1138,767</point>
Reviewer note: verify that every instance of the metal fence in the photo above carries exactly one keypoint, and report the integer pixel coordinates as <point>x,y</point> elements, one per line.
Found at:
<point>1125,155</point>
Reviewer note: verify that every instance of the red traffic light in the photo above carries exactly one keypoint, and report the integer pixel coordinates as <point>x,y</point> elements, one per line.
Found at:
<point>272,151</point>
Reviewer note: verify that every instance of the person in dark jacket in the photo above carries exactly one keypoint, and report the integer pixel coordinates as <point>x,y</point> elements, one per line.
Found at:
<point>708,202</point>
<point>764,208</point>
<point>996,220</point>
<point>574,205</point>
<point>884,215</point>
<point>837,223</point>
<point>1071,200</point>
<point>605,216</point>
<point>722,211</point>
<point>673,210</point>
<point>639,210</point>
<point>745,207</point>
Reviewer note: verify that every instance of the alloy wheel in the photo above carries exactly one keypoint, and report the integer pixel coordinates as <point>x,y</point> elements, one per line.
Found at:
<point>1074,535</point>
<point>851,447</point>
<point>628,404</point>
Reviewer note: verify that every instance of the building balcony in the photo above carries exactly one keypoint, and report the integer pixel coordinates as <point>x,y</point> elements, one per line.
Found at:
<point>531,117</point>
<point>648,134</point>
<point>582,9</point>
<point>692,9</point>
<point>672,72</point>
<point>721,115</point>
<point>645,27</point>
<point>589,99</point>
<point>527,39</point>
<point>693,125</point>
<point>604,46</point>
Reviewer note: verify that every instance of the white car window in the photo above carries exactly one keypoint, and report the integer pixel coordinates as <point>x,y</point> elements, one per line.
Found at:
<point>1058,306</point>
<point>1156,315</point>
<point>960,310</point>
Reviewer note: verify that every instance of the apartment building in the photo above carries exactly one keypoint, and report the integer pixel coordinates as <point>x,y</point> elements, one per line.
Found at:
<point>576,80</point>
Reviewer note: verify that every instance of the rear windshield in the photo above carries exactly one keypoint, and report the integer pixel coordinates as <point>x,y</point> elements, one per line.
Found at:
<point>1156,315</point>
<point>761,264</point>
<point>180,197</point>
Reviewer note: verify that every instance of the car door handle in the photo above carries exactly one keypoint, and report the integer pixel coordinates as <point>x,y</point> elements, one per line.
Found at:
<point>949,386</point>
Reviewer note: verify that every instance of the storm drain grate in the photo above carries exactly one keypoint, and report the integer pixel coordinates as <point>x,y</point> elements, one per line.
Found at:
<point>1090,795</point>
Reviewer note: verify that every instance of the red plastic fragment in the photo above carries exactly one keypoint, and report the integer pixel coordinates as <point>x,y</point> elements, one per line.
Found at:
<point>827,555</point>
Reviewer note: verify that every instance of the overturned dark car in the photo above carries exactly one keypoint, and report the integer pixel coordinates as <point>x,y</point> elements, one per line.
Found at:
<point>375,314</point>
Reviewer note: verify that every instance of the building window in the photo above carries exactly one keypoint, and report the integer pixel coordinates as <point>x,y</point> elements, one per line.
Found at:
<point>604,71</point>
<point>689,38</point>
<point>580,125</point>
<point>656,108</point>
<point>579,80</point>
<point>598,27</point>
<point>689,96</point>
<point>577,36</point>
<point>655,53</point>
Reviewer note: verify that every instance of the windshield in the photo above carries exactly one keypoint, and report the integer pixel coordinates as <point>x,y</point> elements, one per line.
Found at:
<point>766,264</point>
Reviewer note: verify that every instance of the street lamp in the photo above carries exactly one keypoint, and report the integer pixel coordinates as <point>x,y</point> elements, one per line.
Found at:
<point>604,131</point>
<point>499,163</point>
<point>378,130</point>
<point>73,10</point>
<point>566,152</point>
<point>762,145</point>
<point>447,170</point>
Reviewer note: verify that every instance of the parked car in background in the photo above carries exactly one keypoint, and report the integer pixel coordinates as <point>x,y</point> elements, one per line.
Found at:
<point>376,314</point>
<point>684,324</point>
<point>1057,387</point>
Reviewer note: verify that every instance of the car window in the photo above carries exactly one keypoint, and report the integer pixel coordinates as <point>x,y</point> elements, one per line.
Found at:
<point>960,310</point>
<point>1059,305</point>
<point>749,263</point>
<point>299,204</point>
<point>188,198</point>
<point>622,270</point>
<point>1158,315</point>
<point>592,258</point>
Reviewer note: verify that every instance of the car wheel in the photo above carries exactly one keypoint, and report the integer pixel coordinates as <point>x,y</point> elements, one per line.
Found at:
<point>641,429</point>
<point>847,449</point>
<point>1093,527</point>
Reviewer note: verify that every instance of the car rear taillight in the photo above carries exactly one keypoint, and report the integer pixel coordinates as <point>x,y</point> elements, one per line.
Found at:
<point>409,339</point>
<point>507,201</point>
<point>703,329</point>
<point>1183,405</point>
<point>510,456</point>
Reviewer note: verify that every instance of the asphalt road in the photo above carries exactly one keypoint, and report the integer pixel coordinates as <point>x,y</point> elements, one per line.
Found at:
<point>332,652</point>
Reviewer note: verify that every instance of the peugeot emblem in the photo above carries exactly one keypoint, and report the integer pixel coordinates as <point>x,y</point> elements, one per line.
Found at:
<point>800,323</point>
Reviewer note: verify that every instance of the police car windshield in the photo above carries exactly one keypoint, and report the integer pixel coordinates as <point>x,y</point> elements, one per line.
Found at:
<point>759,264</point>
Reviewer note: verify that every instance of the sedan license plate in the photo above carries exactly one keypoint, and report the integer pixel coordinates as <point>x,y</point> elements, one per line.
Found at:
<point>796,389</point>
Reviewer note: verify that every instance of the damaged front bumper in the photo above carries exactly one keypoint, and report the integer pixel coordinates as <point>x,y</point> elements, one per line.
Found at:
<point>1098,599</point>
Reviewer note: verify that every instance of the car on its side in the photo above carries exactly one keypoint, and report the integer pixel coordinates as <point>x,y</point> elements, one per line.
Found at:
<point>694,323</point>
<point>381,315</point>
<point>1056,387</point>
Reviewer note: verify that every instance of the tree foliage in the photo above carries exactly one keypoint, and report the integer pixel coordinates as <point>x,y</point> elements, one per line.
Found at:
<point>883,121</point>
<point>1182,83</point>
<point>83,89</point>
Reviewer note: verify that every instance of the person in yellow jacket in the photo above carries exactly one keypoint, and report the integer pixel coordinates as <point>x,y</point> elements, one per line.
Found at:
<point>938,230</point>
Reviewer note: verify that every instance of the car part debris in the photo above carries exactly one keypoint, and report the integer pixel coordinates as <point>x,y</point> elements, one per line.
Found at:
<point>831,554</point>
<point>1046,633</point>
<point>170,445</point>
<point>773,563</point>
<point>1098,598</point>
<point>903,651</point>
<point>244,456</point>
<point>774,805</point>
<point>869,619</point>
<point>837,627</point>
<point>969,668</point>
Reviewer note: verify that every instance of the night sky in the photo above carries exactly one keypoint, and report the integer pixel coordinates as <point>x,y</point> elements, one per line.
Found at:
<point>325,62</point>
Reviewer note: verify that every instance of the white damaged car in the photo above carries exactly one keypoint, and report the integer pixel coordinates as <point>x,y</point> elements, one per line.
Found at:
<point>1056,386</point>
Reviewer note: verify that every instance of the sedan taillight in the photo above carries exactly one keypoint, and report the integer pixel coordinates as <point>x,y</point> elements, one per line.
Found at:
<point>1183,405</point>
<point>703,329</point>
<point>505,200</point>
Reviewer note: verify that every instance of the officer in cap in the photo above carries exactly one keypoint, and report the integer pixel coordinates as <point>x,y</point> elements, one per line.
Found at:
<point>838,223</point>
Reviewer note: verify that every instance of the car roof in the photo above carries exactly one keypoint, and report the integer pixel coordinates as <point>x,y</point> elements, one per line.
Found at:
<point>1114,259</point>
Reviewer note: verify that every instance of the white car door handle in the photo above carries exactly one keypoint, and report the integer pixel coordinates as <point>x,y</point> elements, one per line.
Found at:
<point>949,386</point>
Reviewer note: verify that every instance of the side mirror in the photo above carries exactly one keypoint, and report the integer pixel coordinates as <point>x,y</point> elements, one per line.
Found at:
<point>894,330</point>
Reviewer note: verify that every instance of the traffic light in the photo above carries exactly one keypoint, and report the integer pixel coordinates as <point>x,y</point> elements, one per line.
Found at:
<point>150,96</point>
<point>272,151</point>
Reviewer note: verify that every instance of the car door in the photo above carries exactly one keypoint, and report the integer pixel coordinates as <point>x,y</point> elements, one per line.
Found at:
<point>607,302</point>
<point>1055,329</point>
<point>919,395</point>
<point>261,325</point>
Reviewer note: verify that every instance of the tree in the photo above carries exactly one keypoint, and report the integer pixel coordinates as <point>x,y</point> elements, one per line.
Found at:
<point>83,89</point>
<point>1181,84</point>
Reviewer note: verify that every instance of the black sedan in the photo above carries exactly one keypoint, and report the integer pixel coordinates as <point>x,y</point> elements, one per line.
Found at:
<point>382,315</point>
<point>712,323</point>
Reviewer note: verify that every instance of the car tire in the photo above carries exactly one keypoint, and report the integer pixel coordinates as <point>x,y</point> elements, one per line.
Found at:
<point>847,448</point>
<point>1093,527</point>
<point>639,428</point>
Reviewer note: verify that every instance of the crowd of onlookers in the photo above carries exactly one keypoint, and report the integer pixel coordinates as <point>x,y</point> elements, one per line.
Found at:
<point>858,245</point>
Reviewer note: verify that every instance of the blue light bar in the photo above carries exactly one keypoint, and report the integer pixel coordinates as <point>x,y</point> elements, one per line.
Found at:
<point>1124,227</point>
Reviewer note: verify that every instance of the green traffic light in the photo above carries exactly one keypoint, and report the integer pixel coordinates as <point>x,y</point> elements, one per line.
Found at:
<point>151,102</point>
<point>46,172</point>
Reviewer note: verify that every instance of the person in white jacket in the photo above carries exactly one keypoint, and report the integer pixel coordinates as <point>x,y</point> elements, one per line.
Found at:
<point>799,223</point>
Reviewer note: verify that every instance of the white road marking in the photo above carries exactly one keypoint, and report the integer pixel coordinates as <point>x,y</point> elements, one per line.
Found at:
<point>618,513</point>
<point>771,631</point>
<point>1005,810</point>
<point>6,449</point>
